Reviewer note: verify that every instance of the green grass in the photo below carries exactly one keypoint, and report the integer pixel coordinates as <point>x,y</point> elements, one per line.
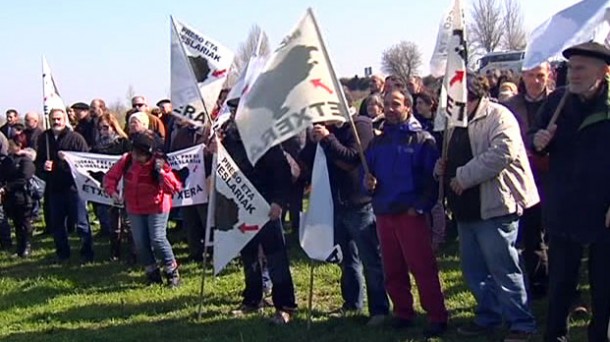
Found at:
<point>107,301</point>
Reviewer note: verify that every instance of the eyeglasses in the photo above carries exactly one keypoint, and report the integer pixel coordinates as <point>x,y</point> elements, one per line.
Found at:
<point>138,105</point>
<point>104,127</point>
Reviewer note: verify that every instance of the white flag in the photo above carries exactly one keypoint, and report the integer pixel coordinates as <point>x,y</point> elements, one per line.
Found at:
<point>50,95</point>
<point>89,169</point>
<point>316,233</point>
<point>455,76</point>
<point>581,22</point>
<point>297,87</point>
<point>241,211</point>
<point>247,77</point>
<point>438,62</point>
<point>199,68</point>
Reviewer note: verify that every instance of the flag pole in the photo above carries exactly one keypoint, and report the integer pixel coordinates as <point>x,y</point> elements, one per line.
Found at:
<point>205,109</point>
<point>208,232</point>
<point>310,299</point>
<point>203,276</point>
<point>339,87</point>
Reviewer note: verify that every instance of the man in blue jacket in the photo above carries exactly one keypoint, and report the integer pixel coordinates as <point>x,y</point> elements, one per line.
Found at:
<point>401,181</point>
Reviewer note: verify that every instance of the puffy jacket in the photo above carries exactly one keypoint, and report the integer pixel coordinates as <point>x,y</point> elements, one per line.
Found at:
<point>142,192</point>
<point>402,159</point>
<point>15,173</point>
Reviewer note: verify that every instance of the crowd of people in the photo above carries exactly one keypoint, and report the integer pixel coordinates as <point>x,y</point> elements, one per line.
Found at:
<point>525,186</point>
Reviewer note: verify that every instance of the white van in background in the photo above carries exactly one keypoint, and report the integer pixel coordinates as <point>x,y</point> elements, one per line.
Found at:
<point>502,61</point>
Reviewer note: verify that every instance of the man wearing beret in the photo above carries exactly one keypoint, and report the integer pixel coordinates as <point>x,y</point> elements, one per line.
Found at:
<point>576,211</point>
<point>86,125</point>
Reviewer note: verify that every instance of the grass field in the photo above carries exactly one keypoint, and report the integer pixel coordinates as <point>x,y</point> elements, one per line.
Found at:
<point>107,301</point>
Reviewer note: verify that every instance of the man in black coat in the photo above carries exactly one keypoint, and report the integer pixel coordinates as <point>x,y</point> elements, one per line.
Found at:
<point>12,118</point>
<point>64,201</point>
<point>355,226</point>
<point>576,210</point>
<point>272,178</point>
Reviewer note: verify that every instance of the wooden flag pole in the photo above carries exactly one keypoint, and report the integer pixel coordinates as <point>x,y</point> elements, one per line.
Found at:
<point>203,276</point>
<point>310,299</point>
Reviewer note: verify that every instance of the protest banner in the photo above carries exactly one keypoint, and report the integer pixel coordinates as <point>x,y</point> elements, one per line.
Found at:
<point>88,170</point>
<point>316,233</point>
<point>455,76</point>
<point>199,68</point>
<point>297,87</point>
<point>584,21</point>
<point>240,210</point>
<point>50,95</point>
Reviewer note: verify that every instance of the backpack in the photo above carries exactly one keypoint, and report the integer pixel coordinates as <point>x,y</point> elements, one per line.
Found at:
<point>35,191</point>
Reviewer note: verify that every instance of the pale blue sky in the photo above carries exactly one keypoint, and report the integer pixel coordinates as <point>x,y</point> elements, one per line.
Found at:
<point>98,48</point>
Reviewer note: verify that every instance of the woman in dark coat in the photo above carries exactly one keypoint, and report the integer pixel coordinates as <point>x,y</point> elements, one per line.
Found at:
<point>18,196</point>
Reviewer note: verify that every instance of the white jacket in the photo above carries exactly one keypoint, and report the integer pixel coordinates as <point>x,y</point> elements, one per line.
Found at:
<point>500,165</point>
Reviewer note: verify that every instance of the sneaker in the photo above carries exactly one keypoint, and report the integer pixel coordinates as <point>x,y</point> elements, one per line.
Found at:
<point>344,312</point>
<point>281,317</point>
<point>472,329</point>
<point>401,323</point>
<point>154,277</point>
<point>435,330</point>
<point>376,320</point>
<point>173,278</point>
<point>244,310</point>
<point>518,336</point>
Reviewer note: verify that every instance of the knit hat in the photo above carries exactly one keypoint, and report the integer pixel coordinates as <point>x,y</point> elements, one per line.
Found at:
<point>140,116</point>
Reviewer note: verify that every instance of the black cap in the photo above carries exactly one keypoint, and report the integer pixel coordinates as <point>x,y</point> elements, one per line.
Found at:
<point>80,105</point>
<point>144,142</point>
<point>162,102</point>
<point>588,49</point>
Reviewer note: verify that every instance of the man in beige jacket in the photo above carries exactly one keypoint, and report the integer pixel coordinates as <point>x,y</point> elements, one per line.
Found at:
<point>489,185</point>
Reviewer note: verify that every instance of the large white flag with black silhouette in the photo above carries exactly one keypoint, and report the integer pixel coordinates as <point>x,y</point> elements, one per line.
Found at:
<point>296,88</point>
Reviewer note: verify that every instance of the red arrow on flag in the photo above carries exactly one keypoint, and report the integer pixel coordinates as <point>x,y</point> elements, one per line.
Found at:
<point>219,73</point>
<point>318,84</point>
<point>458,77</point>
<point>245,228</point>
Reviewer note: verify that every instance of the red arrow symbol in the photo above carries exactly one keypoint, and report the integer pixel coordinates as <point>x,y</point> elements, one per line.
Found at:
<point>219,73</point>
<point>458,77</point>
<point>245,228</point>
<point>318,84</point>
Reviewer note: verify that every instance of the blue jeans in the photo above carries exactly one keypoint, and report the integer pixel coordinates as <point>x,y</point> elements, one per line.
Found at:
<point>150,233</point>
<point>490,264</point>
<point>356,233</point>
<point>64,207</point>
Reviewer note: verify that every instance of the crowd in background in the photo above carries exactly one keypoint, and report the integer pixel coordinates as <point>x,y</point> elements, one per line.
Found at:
<point>515,181</point>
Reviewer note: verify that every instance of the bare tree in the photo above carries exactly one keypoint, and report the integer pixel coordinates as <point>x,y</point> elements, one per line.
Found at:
<point>246,50</point>
<point>486,25</point>
<point>514,31</point>
<point>118,108</point>
<point>402,60</point>
<point>129,94</point>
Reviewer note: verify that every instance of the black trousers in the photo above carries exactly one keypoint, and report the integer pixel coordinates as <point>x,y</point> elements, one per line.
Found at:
<point>271,238</point>
<point>23,229</point>
<point>534,251</point>
<point>564,262</point>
